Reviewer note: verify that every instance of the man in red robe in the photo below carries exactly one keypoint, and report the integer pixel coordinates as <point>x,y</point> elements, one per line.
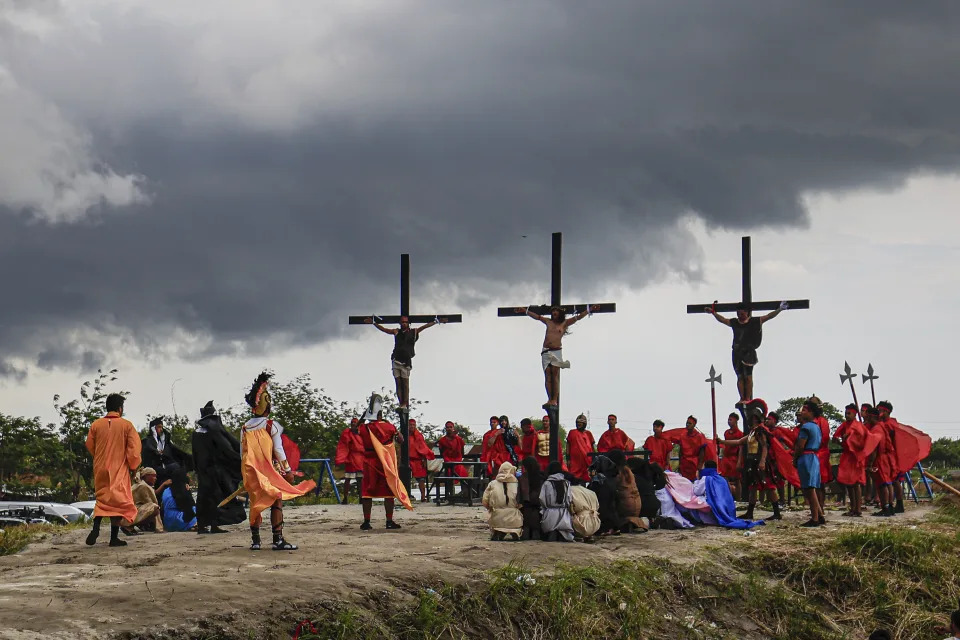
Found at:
<point>536,443</point>
<point>885,408</point>
<point>579,445</point>
<point>451,449</point>
<point>613,438</point>
<point>852,468</point>
<point>882,463</point>
<point>528,439</point>
<point>375,483</point>
<point>693,450</point>
<point>419,454</point>
<point>493,448</point>
<point>659,446</point>
<point>350,455</point>
<point>731,454</point>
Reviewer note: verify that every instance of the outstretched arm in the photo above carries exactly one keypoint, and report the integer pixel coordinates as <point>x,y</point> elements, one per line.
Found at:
<point>775,313</point>
<point>712,311</point>
<point>392,332</point>
<point>736,442</point>
<point>535,316</point>
<point>428,325</point>
<point>580,316</point>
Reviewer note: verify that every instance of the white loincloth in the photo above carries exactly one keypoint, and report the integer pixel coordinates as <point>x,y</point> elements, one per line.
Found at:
<point>553,358</point>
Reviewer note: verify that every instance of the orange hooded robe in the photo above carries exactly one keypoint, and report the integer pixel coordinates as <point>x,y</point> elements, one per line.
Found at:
<point>115,447</point>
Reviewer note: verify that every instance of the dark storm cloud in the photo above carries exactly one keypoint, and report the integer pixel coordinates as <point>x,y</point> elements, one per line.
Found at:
<point>608,121</point>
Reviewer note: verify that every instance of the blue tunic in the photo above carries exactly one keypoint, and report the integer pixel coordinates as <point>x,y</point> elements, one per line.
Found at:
<point>808,464</point>
<point>173,517</point>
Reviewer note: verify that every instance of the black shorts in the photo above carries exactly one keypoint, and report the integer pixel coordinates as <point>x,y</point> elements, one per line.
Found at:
<point>740,356</point>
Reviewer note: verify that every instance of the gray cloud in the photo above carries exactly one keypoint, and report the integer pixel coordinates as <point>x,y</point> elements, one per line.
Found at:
<point>286,177</point>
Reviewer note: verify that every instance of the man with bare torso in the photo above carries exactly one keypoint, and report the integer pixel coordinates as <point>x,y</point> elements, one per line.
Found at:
<point>551,355</point>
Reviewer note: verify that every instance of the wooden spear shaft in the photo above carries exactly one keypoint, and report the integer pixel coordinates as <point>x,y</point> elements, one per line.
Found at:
<point>942,484</point>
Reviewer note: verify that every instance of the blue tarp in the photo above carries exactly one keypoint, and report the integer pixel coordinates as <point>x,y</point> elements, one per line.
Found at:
<point>717,493</point>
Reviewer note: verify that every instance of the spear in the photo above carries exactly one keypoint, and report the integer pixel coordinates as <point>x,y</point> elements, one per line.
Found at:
<point>848,376</point>
<point>714,378</point>
<point>869,376</point>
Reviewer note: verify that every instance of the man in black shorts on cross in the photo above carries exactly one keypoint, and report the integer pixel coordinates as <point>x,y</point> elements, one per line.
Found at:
<point>401,359</point>
<point>747,335</point>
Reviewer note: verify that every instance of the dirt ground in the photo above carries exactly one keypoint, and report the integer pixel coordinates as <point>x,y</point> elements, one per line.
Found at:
<point>60,588</point>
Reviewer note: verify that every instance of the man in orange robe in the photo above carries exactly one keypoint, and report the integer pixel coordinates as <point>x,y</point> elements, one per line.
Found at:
<point>115,447</point>
<point>659,446</point>
<point>350,455</point>
<point>267,476</point>
<point>419,454</point>
<point>579,445</point>
<point>614,438</point>
<point>380,478</point>
<point>693,450</point>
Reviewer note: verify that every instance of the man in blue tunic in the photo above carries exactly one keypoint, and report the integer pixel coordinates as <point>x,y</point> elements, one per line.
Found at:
<point>808,464</point>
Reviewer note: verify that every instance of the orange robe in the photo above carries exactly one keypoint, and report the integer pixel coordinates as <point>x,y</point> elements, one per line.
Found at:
<point>261,480</point>
<point>660,449</point>
<point>579,445</point>
<point>731,453</point>
<point>115,447</point>
<point>858,443</point>
<point>419,454</point>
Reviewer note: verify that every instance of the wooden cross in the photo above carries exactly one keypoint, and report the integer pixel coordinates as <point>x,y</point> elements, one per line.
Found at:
<point>747,292</point>
<point>556,262</point>
<point>403,467</point>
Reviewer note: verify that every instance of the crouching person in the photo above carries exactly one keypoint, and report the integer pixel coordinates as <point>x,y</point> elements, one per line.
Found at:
<point>500,499</point>
<point>585,512</point>
<point>556,524</point>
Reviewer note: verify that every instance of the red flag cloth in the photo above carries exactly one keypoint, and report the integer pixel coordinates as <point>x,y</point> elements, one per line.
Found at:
<point>731,452</point>
<point>579,444</point>
<point>659,449</point>
<point>858,443</point>
<point>781,448</point>
<point>910,444</point>
<point>349,451</point>
<point>493,451</point>
<point>419,453</point>
<point>451,448</point>
<point>613,439</point>
<point>292,452</point>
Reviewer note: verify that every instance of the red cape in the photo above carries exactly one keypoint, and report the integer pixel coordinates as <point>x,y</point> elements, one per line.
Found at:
<point>292,452</point>
<point>911,445</point>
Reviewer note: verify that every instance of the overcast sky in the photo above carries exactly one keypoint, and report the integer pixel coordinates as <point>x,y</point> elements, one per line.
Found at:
<point>193,191</point>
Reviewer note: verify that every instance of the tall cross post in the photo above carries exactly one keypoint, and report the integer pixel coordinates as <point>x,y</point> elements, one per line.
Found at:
<point>556,274</point>
<point>403,468</point>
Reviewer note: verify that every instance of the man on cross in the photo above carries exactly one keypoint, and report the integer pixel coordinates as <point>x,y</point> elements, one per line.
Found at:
<point>404,339</point>
<point>747,335</point>
<point>551,355</point>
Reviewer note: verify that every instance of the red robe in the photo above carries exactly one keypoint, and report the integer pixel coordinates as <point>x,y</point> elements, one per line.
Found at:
<point>858,443</point>
<point>731,453</point>
<point>451,448</point>
<point>419,454</point>
<point>885,461</point>
<point>374,483</point>
<point>823,453</point>
<point>613,439</point>
<point>690,446</point>
<point>579,444</point>
<point>660,449</point>
<point>350,451</point>
<point>493,451</point>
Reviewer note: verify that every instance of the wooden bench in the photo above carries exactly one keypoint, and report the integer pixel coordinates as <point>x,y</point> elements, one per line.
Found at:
<point>472,489</point>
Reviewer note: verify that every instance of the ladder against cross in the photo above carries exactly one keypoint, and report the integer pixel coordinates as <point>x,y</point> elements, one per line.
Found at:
<point>556,273</point>
<point>403,466</point>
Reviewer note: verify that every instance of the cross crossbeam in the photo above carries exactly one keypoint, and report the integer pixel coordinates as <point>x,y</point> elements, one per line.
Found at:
<point>556,276</point>
<point>746,297</point>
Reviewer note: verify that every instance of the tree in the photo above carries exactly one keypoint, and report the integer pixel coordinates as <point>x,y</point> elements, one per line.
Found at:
<point>76,417</point>
<point>788,409</point>
<point>32,457</point>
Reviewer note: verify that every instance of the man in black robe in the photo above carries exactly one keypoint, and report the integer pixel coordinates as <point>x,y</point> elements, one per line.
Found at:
<point>160,453</point>
<point>216,458</point>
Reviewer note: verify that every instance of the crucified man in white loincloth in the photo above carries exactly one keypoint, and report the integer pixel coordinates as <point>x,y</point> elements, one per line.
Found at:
<point>551,356</point>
